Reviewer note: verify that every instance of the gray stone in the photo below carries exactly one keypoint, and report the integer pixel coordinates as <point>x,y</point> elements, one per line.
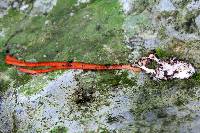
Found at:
<point>197,21</point>
<point>165,5</point>
<point>4,4</point>
<point>42,6</point>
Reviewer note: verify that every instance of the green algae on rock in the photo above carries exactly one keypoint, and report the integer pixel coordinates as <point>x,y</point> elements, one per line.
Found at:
<point>59,129</point>
<point>84,34</point>
<point>39,33</point>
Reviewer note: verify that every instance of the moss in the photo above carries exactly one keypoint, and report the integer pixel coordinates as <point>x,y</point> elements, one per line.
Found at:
<point>141,5</point>
<point>181,3</point>
<point>98,38</point>
<point>112,119</point>
<point>152,65</point>
<point>134,24</point>
<point>59,129</point>
<point>4,85</point>
<point>162,34</point>
<point>101,82</point>
<point>20,79</point>
<point>54,75</point>
<point>10,22</point>
<point>161,53</point>
<point>175,49</point>
<point>186,23</point>
<point>107,80</point>
<point>82,97</point>
<point>196,77</point>
<point>161,94</point>
<point>28,1</point>
<point>103,130</point>
<point>12,18</point>
<point>83,42</point>
<point>34,85</point>
<point>182,20</point>
<point>180,101</point>
<point>3,65</point>
<point>165,14</point>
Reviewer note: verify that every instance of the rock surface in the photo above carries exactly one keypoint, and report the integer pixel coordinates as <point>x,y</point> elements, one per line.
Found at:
<point>102,32</point>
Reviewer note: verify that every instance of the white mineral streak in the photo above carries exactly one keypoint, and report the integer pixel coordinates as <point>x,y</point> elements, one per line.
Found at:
<point>168,70</point>
<point>127,5</point>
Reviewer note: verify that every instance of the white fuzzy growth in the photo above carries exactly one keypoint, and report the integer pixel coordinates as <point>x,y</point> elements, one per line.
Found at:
<point>171,70</point>
<point>183,70</point>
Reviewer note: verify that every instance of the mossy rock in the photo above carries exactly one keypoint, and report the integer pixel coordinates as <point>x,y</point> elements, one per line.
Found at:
<point>91,33</point>
<point>59,129</point>
<point>104,81</point>
<point>4,85</point>
<point>99,27</point>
